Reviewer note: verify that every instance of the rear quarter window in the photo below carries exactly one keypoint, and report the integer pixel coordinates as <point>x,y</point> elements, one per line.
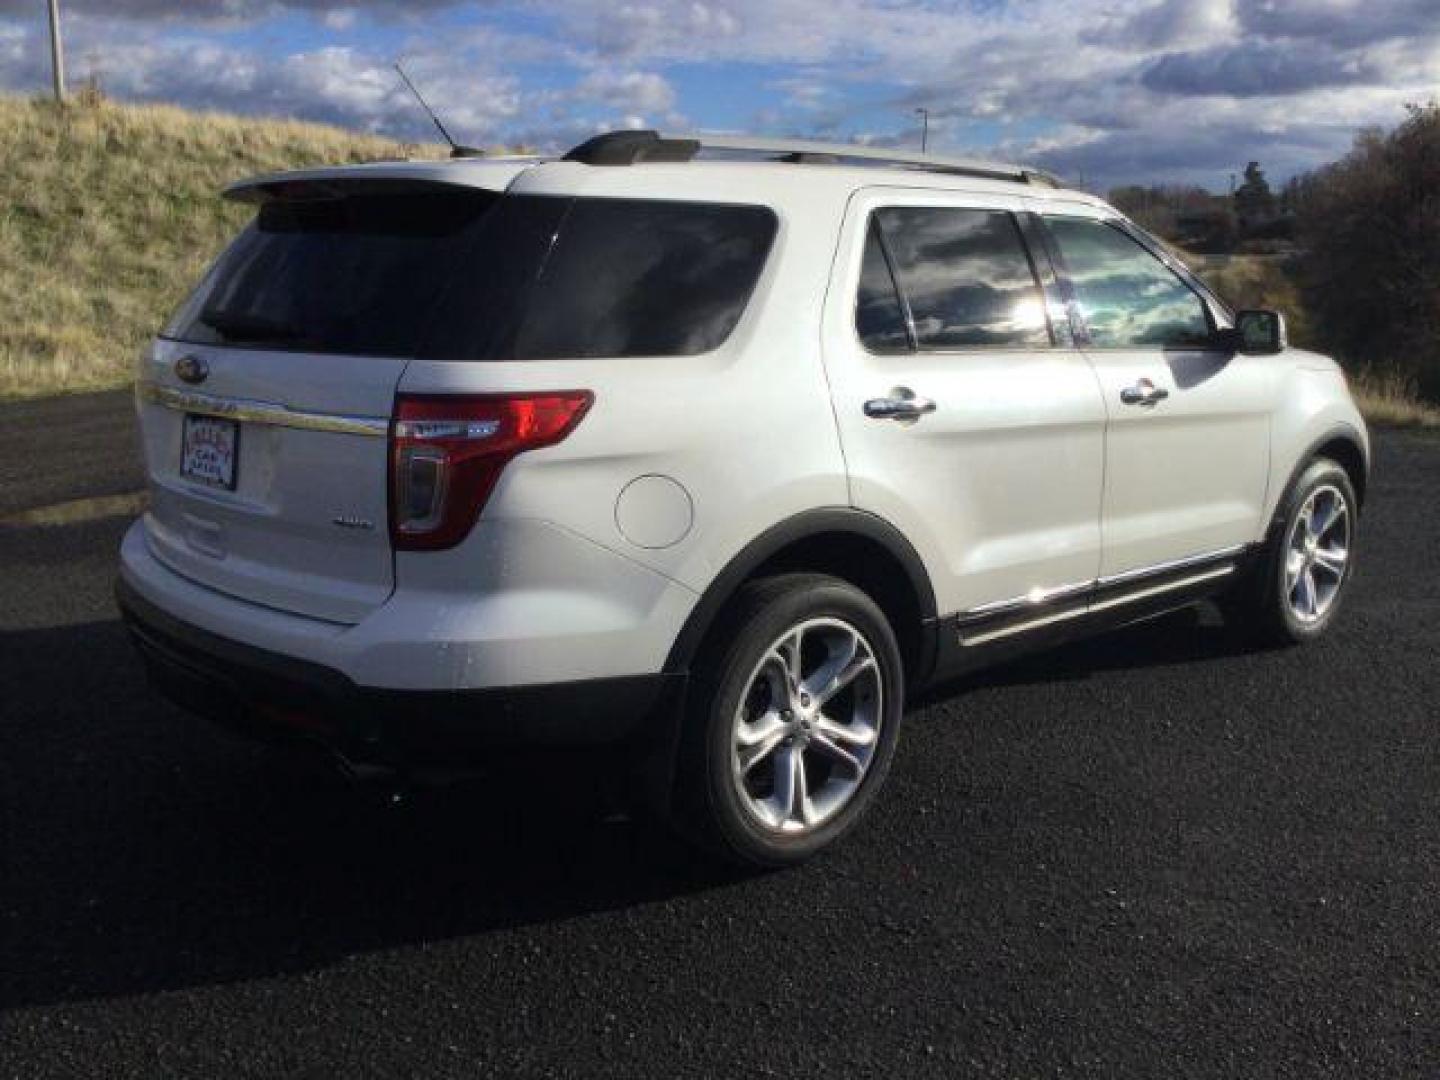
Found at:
<point>552,278</point>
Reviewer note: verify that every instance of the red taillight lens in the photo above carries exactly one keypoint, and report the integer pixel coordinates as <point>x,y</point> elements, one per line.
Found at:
<point>447,451</point>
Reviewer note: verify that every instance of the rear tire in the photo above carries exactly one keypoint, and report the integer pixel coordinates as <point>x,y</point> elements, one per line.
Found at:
<point>792,723</point>
<point>1296,591</point>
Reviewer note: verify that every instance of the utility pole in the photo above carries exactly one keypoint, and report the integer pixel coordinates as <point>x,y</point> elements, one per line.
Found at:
<point>57,52</point>
<point>923,113</point>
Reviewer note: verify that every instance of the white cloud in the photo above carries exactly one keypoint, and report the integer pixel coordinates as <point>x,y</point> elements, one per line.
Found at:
<point>638,92</point>
<point>1168,24</point>
<point>1168,88</point>
<point>652,28</point>
<point>336,84</point>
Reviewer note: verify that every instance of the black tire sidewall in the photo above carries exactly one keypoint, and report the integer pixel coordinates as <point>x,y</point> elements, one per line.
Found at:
<point>772,607</point>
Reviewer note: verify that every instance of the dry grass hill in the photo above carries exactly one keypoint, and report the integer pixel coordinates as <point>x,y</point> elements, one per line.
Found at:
<point>108,213</point>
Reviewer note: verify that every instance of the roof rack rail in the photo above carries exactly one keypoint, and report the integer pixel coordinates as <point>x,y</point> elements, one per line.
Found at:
<point>634,147</point>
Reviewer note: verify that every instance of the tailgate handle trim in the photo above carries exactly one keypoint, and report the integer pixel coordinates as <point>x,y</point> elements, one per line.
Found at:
<point>260,412</point>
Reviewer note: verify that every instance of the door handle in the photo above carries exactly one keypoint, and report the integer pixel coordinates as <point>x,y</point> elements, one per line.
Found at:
<point>1143,392</point>
<point>901,404</point>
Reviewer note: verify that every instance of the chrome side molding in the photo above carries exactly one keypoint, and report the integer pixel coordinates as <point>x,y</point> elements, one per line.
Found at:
<point>980,637</point>
<point>1232,552</point>
<point>1035,598</point>
<point>1168,586</point>
<point>1044,607</point>
<point>260,412</point>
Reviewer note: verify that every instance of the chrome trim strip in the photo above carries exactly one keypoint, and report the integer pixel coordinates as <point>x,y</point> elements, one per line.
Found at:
<point>1020,628</point>
<point>1059,592</point>
<point>1169,586</point>
<point>1097,605</point>
<point>1175,564</point>
<point>261,412</point>
<point>1030,599</point>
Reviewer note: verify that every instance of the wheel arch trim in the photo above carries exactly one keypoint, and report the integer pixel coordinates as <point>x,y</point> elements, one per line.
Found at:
<point>1341,433</point>
<point>807,525</point>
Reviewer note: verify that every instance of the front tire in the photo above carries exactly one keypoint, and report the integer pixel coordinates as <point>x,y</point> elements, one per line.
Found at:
<point>793,721</point>
<point>1308,562</point>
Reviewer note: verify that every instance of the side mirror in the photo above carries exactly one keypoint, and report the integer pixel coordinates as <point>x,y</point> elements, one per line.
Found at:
<point>1260,333</point>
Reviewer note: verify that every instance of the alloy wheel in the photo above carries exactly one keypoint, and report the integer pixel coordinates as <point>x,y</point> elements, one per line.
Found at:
<point>808,725</point>
<point>1317,554</point>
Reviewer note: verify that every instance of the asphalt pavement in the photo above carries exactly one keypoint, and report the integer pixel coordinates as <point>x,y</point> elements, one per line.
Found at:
<point>1148,855</point>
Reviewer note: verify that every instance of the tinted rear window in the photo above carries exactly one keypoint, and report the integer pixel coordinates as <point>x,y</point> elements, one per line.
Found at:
<point>353,275</point>
<point>462,275</point>
<point>556,277</point>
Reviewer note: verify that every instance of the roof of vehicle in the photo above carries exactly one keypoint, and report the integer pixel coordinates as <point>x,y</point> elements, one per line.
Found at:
<point>647,165</point>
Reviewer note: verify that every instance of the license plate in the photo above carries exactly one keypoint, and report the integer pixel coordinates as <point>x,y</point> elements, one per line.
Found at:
<point>208,451</point>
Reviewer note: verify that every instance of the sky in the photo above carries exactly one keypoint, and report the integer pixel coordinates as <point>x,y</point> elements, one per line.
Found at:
<point>1101,91</point>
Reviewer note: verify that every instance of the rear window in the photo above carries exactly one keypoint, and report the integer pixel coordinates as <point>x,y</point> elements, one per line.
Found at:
<point>556,277</point>
<point>474,276</point>
<point>352,275</point>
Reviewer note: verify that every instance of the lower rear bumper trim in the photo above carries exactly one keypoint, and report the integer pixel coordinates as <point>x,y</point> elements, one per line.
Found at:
<point>272,696</point>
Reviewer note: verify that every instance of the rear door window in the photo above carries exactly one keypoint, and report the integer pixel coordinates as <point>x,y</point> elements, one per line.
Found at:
<point>966,276</point>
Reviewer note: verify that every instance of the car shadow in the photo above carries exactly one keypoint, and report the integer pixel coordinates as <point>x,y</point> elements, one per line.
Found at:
<point>144,851</point>
<point>1191,367</point>
<point>1194,634</point>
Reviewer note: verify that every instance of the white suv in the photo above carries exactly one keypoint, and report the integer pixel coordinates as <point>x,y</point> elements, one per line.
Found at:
<point>714,450</point>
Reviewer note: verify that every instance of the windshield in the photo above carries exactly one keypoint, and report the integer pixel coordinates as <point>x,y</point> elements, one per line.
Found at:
<point>470,276</point>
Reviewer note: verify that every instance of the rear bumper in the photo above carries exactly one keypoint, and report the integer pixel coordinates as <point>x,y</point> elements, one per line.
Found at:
<point>520,603</point>
<point>276,697</point>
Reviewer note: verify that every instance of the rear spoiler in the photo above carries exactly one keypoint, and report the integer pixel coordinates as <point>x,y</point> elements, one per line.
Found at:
<point>486,174</point>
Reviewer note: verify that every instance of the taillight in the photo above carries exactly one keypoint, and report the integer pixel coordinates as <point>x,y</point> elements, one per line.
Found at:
<point>447,451</point>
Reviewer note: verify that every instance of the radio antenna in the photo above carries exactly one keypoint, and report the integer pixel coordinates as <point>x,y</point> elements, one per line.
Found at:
<point>456,150</point>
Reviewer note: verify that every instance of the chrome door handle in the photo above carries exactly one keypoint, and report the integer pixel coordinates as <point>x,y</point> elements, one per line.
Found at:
<point>1143,392</point>
<point>901,404</point>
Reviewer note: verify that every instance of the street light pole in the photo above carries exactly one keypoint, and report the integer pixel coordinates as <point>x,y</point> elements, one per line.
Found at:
<point>923,113</point>
<point>57,52</point>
